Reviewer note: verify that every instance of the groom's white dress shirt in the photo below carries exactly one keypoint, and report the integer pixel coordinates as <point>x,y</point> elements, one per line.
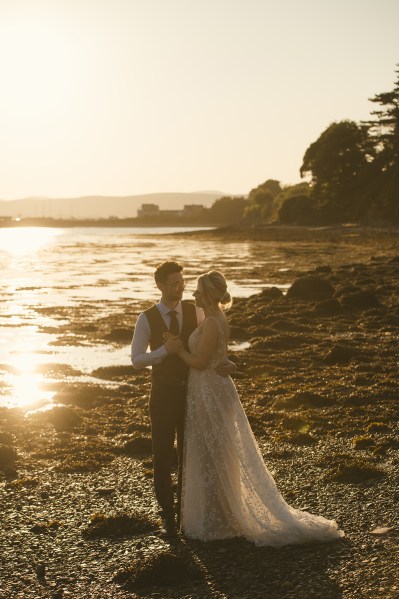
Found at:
<point>142,335</point>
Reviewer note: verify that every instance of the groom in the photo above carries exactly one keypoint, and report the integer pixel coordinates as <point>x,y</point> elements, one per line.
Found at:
<point>168,381</point>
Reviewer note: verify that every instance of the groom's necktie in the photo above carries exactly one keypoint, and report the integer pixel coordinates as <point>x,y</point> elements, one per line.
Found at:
<point>174,323</point>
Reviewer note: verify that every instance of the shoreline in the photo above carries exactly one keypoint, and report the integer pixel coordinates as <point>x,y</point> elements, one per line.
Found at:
<point>319,386</point>
<point>250,232</point>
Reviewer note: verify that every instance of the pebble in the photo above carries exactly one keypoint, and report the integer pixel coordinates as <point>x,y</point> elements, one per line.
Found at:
<point>361,565</point>
<point>383,530</point>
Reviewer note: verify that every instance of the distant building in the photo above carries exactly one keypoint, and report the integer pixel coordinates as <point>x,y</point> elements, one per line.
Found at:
<point>148,210</point>
<point>171,213</point>
<point>152,210</point>
<point>192,209</point>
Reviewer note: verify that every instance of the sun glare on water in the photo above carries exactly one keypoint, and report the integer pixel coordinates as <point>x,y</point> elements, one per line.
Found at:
<point>20,342</point>
<point>25,240</point>
<point>24,386</point>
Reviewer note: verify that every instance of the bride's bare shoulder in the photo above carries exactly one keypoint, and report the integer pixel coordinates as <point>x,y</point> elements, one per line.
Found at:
<point>210,323</point>
<point>217,323</point>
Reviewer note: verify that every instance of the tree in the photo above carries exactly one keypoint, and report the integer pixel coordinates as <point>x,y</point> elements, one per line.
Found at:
<point>261,201</point>
<point>338,155</point>
<point>297,210</point>
<point>228,209</point>
<point>271,186</point>
<point>384,129</point>
<point>336,162</point>
<point>260,206</point>
<point>289,191</point>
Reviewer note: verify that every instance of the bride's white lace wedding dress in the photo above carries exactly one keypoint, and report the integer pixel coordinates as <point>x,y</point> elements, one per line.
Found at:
<point>227,489</point>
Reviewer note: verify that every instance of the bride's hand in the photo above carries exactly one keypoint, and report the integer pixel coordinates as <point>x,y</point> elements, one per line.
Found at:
<point>173,343</point>
<point>225,368</point>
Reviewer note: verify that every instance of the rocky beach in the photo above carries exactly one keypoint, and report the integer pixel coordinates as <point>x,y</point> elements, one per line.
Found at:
<point>317,363</point>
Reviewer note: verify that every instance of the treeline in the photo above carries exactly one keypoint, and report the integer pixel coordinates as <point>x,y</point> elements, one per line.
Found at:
<point>353,174</point>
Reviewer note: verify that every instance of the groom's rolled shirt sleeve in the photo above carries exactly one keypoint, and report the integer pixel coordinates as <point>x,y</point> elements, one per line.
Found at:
<point>141,340</point>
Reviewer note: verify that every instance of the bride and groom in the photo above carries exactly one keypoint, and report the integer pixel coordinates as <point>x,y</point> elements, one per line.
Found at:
<point>224,487</point>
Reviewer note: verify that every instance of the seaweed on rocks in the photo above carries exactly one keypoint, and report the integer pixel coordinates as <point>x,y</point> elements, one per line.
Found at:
<point>118,525</point>
<point>164,568</point>
<point>305,411</point>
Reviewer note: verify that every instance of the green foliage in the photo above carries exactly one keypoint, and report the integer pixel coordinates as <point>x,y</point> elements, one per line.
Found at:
<point>354,170</point>
<point>337,161</point>
<point>297,210</point>
<point>288,191</point>
<point>385,127</point>
<point>271,185</point>
<point>228,209</point>
<point>338,155</point>
<point>260,206</point>
<point>385,134</point>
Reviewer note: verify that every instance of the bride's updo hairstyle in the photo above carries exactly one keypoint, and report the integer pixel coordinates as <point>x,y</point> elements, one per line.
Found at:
<point>214,289</point>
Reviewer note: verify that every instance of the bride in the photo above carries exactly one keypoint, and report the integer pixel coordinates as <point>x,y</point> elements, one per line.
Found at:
<point>227,489</point>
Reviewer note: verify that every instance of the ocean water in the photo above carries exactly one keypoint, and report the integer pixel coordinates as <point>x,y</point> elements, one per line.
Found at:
<point>74,268</point>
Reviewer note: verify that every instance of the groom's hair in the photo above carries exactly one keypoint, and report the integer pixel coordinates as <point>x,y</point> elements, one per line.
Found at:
<point>165,269</point>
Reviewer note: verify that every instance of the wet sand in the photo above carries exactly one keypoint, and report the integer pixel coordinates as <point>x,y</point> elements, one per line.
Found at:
<point>318,380</point>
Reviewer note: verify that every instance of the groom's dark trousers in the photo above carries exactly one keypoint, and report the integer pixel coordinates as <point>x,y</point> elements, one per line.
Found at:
<point>167,408</point>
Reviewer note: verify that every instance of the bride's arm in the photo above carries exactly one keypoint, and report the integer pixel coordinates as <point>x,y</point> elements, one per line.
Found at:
<point>206,346</point>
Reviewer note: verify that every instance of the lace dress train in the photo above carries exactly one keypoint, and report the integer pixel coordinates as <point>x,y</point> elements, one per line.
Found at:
<point>227,489</point>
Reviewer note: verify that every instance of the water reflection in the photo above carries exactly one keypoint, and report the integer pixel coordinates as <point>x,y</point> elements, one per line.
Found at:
<point>25,240</point>
<point>26,389</point>
<point>51,277</point>
<point>23,385</point>
<point>238,345</point>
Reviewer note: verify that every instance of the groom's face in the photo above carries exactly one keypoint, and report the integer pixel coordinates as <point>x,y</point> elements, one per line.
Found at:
<point>172,289</point>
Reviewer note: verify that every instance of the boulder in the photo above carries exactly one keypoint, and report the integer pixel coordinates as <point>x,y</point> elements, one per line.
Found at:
<point>113,372</point>
<point>6,438</point>
<point>271,293</point>
<point>360,300</point>
<point>7,455</point>
<point>287,325</point>
<point>310,288</point>
<point>138,446</point>
<point>120,335</point>
<point>279,342</point>
<point>325,269</point>
<point>309,399</point>
<point>340,354</point>
<point>328,307</point>
<point>239,332</point>
<point>63,418</point>
<point>256,318</point>
<point>345,290</point>
<point>82,394</point>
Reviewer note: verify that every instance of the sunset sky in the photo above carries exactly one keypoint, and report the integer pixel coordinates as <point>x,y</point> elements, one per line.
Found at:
<point>123,97</point>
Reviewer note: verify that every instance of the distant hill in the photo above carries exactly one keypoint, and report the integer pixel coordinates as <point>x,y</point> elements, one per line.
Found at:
<point>102,206</point>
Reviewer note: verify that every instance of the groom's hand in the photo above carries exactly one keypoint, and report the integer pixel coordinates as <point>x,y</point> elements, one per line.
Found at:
<point>225,368</point>
<point>173,343</point>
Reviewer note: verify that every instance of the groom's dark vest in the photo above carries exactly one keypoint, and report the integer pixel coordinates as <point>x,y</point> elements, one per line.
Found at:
<point>171,371</point>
